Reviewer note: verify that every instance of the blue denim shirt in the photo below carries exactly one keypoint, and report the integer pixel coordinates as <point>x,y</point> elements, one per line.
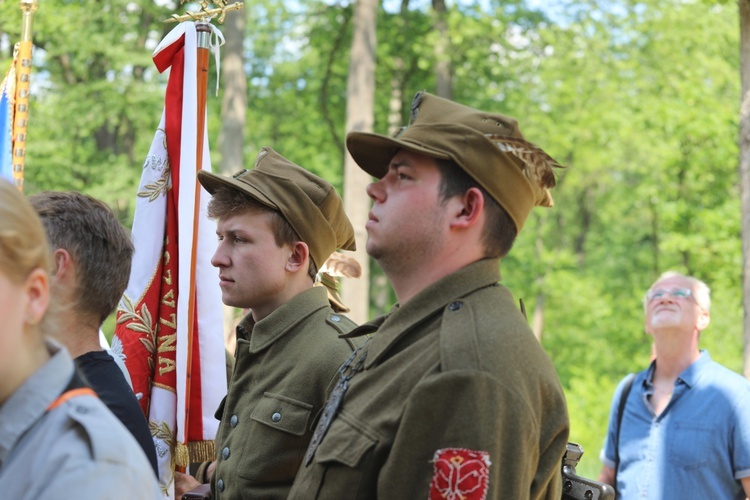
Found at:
<point>699,447</point>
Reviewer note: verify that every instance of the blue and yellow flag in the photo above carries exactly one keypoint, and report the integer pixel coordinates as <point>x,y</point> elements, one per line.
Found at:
<point>7,105</point>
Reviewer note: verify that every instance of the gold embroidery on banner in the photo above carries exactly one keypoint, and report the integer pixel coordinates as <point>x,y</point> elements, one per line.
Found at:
<point>172,325</point>
<point>160,430</point>
<point>164,442</point>
<point>141,323</point>
<point>168,300</point>
<point>156,163</point>
<point>168,277</point>
<point>164,387</point>
<point>152,191</point>
<point>167,365</point>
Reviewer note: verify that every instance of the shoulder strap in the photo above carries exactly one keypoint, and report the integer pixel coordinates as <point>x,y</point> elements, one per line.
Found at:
<point>83,391</point>
<point>76,387</point>
<point>620,411</point>
<point>458,342</point>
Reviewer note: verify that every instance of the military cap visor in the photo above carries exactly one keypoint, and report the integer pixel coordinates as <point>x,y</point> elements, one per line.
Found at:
<point>308,203</point>
<point>489,147</point>
<point>212,182</point>
<point>496,172</point>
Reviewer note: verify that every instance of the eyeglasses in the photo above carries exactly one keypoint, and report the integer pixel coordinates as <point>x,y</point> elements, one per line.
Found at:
<point>676,293</point>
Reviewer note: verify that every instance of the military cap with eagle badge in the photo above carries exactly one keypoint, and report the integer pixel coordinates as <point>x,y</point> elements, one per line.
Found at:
<point>489,147</point>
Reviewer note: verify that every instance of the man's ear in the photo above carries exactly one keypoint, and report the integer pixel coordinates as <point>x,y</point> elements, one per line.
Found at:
<point>63,263</point>
<point>704,319</point>
<point>299,258</point>
<point>469,208</point>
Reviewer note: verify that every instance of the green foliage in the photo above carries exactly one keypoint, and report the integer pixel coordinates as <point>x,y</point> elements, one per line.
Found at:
<point>641,103</point>
<point>96,97</point>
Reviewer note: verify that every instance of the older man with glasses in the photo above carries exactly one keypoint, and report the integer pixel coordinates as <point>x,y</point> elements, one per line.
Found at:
<point>680,428</point>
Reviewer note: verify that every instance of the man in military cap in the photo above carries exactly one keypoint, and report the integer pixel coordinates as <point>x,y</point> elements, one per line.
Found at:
<point>452,397</point>
<point>277,224</point>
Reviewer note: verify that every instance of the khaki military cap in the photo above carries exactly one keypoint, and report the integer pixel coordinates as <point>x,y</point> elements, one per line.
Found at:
<point>310,204</point>
<point>487,146</point>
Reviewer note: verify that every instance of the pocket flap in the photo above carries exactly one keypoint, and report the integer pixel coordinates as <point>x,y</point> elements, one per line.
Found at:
<point>345,442</point>
<point>282,413</point>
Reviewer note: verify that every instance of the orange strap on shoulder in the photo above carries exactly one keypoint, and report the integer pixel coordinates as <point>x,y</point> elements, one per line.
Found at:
<point>83,391</point>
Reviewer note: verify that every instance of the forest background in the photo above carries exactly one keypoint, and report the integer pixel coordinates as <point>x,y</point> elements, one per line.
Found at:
<point>640,99</point>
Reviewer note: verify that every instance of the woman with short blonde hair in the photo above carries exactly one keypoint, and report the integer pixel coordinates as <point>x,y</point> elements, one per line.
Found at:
<point>57,440</point>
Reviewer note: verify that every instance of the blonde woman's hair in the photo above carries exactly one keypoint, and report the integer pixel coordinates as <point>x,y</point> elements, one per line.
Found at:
<point>23,243</point>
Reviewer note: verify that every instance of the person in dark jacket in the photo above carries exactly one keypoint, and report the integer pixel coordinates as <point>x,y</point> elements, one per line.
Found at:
<point>91,259</point>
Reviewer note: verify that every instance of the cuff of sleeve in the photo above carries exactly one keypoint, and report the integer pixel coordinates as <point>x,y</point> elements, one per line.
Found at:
<point>200,473</point>
<point>606,461</point>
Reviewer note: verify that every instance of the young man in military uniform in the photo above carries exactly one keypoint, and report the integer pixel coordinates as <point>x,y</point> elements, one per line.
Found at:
<point>453,397</point>
<point>277,224</point>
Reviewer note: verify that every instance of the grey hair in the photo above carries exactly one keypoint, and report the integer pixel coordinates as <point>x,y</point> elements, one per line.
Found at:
<point>702,291</point>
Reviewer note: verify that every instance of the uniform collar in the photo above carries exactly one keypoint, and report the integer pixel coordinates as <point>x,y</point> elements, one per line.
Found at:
<point>425,305</point>
<point>29,402</point>
<point>268,330</point>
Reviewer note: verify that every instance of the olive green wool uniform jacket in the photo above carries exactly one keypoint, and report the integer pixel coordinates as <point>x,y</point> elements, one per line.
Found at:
<point>456,399</point>
<point>285,366</point>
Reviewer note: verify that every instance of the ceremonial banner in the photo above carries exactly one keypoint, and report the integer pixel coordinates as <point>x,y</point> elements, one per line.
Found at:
<point>7,98</point>
<point>14,112</point>
<point>179,382</point>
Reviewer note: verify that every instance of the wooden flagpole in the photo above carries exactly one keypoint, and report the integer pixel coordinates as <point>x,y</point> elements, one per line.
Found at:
<point>203,30</point>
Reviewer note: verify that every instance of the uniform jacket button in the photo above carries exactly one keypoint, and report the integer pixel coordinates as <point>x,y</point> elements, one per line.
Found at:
<point>233,421</point>
<point>225,453</point>
<point>455,306</point>
<point>220,484</point>
<point>276,417</point>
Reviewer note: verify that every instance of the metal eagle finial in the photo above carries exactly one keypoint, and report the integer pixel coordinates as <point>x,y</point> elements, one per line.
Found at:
<point>205,14</point>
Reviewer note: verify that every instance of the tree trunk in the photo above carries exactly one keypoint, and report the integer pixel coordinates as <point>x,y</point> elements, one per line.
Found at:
<point>444,87</point>
<point>744,167</point>
<point>395,105</point>
<point>360,112</point>
<point>233,118</point>
<point>234,102</point>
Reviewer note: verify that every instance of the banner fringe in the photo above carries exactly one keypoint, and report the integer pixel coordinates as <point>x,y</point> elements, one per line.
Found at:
<point>195,451</point>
